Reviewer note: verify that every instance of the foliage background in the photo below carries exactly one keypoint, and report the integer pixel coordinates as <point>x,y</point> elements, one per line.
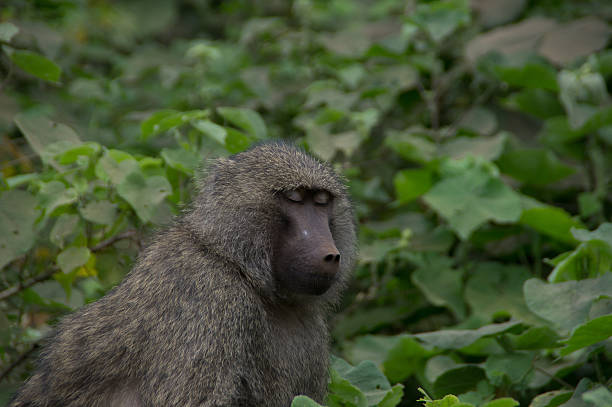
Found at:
<point>476,138</point>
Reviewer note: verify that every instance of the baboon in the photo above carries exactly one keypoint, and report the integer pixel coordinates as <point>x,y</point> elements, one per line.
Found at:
<point>226,307</point>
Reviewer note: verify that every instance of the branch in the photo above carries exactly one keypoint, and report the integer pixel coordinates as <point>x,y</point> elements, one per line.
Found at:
<point>18,361</point>
<point>128,234</point>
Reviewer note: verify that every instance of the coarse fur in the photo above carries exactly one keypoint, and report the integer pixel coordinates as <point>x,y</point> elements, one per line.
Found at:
<point>200,319</point>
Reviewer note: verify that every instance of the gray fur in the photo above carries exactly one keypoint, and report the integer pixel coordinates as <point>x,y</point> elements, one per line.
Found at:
<point>199,321</point>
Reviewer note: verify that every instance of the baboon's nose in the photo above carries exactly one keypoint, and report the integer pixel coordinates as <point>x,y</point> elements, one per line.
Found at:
<point>331,260</point>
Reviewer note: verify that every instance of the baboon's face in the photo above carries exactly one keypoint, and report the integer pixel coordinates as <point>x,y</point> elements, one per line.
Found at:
<point>305,257</point>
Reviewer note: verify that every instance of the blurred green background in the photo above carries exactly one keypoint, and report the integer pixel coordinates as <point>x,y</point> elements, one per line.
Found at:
<point>476,137</point>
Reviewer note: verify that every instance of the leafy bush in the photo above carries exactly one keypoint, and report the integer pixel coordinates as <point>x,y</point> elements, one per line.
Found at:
<point>476,139</point>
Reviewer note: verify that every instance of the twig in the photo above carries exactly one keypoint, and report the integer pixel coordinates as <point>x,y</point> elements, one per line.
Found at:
<point>553,377</point>
<point>18,361</point>
<point>128,234</point>
<point>42,277</point>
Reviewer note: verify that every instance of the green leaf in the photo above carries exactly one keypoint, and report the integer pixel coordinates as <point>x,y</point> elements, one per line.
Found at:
<point>508,368</point>
<point>538,337</point>
<point>103,212</point>
<point>503,402</point>
<point>589,259</point>
<point>72,258</point>
<point>66,226</point>
<point>589,333</point>
<point>411,145</point>
<point>507,284</point>
<point>236,141</point>
<point>115,165</point>
<point>212,130</point>
<point>567,304</point>
<point>603,233</point>
<point>540,103</point>
<point>458,381</point>
<point>245,119</point>
<point>46,137</point>
<point>441,18</point>
<point>144,194</point>
<point>582,93</point>
<point>552,222</point>
<point>599,396</point>
<point>181,159</point>
<point>410,184</point>
<point>54,194</point>
<point>551,399</point>
<point>393,397</point>
<point>442,285</point>
<point>303,401</point>
<point>37,65</point>
<point>460,338</point>
<point>404,359</point>
<point>71,155</point>
<point>361,385</point>
<point>7,31</point>
<point>532,166</point>
<point>529,75</point>
<point>469,199</point>
<point>488,148</point>
<point>164,120</point>
<point>18,215</point>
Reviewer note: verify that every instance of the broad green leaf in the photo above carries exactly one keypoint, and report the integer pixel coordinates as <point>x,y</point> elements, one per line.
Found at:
<point>589,259</point>
<point>236,141</point>
<point>507,284</point>
<point>115,165</point>
<point>535,167</point>
<point>582,93</point>
<point>72,258</point>
<point>529,75</point>
<point>488,148</point>
<point>437,365</point>
<point>181,159</point>
<point>537,337</point>
<point>303,401</point>
<point>163,120</point>
<point>103,212</point>
<point>557,130</point>
<point>410,184</point>
<point>367,378</point>
<point>393,397</point>
<point>469,199</point>
<point>18,215</point>
<point>460,338</point>
<point>22,179</point>
<point>65,227</point>
<point>503,402</point>
<point>404,359</point>
<point>479,120</point>
<point>144,194</point>
<point>551,221</point>
<point>441,18</point>
<point>599,396</point>
<point>540,103</point>
<point>442,285</point>
<point>551,399</point>
<point>567,304</point>
<point>589,333</point>
<point>371,347</point>
<point>37,65</point>
<point>44,136</point>
<point>54,194</point>
<point>411,145</point>
<point>245,119</point>
<point>458,381</point>
<point>71,155</point>
<point>603,233</point>
<point>508,368</point>
<point>212,130</point>
<point>7,31</point>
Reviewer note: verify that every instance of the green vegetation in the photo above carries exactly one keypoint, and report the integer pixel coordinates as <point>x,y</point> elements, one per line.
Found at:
<point>477,143</point>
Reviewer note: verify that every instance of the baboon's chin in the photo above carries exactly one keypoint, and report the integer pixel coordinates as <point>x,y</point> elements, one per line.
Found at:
<point>310,283</point>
